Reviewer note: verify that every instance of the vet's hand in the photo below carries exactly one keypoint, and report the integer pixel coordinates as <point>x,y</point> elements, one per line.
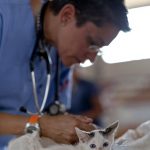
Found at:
<point>61,128</point>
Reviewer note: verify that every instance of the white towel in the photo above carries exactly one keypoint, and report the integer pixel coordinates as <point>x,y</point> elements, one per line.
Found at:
<point>133,139</point>
<point>30,142</point>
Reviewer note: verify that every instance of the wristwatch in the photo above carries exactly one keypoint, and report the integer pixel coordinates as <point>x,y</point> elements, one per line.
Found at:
<point>33,124</point>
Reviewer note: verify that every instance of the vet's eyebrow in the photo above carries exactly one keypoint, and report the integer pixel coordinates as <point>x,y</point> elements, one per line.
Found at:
<point>95,41</point>
<point>100,42</point>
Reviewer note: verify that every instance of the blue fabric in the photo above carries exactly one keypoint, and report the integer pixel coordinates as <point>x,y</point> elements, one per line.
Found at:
<point>17,38</point>
<point>82,95</point>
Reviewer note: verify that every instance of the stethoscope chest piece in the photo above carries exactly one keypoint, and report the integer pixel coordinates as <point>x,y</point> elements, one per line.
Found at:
<point>56,108</point>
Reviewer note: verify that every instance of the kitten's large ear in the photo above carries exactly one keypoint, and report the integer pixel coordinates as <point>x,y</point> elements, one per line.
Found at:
<point>82,135</point>
<point>111,129</point>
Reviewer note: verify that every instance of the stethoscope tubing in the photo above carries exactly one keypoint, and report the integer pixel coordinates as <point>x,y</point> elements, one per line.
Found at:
<point>48,61</point>
<point>46,93</point>
<point>39,43</point>
<point>36,100</point>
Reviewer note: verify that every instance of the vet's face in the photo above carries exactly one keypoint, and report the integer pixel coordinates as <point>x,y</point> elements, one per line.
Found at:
<point>75,43</point>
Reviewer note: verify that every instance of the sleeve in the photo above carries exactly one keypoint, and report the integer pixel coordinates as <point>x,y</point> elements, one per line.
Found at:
<point>1,28</point>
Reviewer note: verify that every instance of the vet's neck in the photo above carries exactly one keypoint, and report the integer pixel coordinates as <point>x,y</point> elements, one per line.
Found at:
<point>36,6</point>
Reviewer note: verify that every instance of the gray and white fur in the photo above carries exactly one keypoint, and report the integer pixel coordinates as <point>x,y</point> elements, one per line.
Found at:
<point>99,139</point>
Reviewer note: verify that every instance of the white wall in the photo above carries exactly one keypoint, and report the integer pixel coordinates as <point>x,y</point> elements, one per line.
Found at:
<point>104,71</point>
<point>136,3</point>
<point>133,68</point>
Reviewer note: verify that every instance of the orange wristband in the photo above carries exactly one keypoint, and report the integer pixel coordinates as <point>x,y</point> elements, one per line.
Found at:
<point>34,119</point>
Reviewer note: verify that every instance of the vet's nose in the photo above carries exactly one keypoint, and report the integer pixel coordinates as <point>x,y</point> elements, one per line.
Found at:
<point>92,56</point>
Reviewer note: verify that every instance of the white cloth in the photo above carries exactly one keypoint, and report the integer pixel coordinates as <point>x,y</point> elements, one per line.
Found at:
<point>137,139</point>
<point>30,142</point>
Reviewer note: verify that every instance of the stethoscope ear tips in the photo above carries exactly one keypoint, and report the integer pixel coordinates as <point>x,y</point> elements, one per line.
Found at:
<point>24,110</point>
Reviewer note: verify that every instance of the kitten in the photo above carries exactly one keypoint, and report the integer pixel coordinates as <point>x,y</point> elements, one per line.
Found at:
<point>99,139</point>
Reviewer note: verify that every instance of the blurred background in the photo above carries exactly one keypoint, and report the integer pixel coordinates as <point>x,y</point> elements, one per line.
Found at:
<point>122,73</point>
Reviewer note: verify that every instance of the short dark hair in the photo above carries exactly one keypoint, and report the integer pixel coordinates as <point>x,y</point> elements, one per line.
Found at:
<point>97,11</point>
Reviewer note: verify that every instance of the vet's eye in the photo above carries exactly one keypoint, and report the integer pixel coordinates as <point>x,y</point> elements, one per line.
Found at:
<point>105,144</point>
<point>94,48</point>
<point>92,146</point>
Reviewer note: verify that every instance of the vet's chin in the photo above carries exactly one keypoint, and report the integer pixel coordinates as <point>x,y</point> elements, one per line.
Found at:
<point>68,62</point>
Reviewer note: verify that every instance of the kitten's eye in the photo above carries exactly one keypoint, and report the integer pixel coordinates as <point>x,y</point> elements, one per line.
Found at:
<point>92,146</point>
<point>105,144</point>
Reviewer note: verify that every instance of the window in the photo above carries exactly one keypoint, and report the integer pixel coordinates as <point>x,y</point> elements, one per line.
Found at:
<point>133,45</point>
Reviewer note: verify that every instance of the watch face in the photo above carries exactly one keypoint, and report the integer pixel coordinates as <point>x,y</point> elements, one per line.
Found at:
<point>30,129</point>
<point>54,109</point>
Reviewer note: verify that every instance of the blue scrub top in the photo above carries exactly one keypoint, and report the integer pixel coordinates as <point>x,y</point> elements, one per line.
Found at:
<point>17,38</point>
<point>83,94</point>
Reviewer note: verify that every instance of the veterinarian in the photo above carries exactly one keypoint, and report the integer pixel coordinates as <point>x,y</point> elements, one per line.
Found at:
<point>39,42</point>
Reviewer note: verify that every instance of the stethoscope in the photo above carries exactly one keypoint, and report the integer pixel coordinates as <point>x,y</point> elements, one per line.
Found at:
<point>41,49</point>
<point>44,55</point>
<point>56,107</point>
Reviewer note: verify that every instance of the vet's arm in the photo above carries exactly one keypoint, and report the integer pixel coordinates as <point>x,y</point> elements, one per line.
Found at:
<point>12,124</point>
<point>61,128</point>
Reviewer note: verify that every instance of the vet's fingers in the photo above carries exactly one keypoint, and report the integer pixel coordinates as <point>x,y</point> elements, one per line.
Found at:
<point>84,119</point>
<point>85,122</point>
<point>70,139</point>
<point>86,127</point>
